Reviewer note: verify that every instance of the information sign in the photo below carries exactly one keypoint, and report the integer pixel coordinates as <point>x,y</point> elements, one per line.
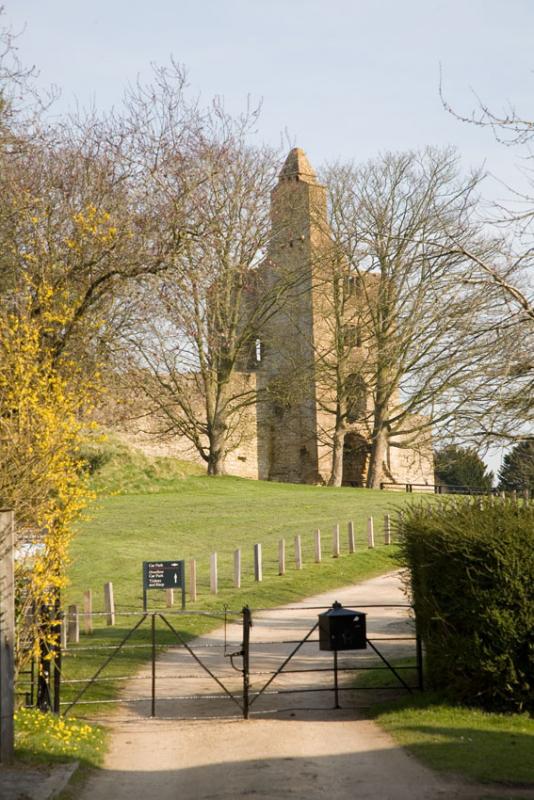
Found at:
<point>163,575</point>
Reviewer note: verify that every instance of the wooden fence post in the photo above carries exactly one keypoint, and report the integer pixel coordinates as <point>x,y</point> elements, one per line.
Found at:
<point>237,569</point>
<point>73,625</point>
<point>335,541</point>
<point>258,566</point>
<point>282,557</point>
<point>298,552</point>
<point>387,529</point>
<point>192,580</point>
<point>214,582</point>
<point>318,554</point>
<point>109,603</point>
<point>352,543</point>
<point>370,532</point>
<point>88,611</point>
<point>169,597</point>
<point>63,633</point>
<point>7,636</point>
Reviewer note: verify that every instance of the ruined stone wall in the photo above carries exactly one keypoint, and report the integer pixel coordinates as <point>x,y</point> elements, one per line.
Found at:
<point>287,435</point>
<point>129,422</point>
<point>287,424</point>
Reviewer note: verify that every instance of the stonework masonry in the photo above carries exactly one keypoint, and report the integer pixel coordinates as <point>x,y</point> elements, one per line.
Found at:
<point>286,435</point>
<point>290,443</point>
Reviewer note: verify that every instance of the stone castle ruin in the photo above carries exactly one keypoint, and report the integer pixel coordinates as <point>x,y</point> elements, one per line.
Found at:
<point>289,433</point>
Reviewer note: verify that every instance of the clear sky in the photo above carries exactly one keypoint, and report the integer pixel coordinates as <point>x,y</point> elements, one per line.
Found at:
<point>344,79</point>
<point>340,78</point>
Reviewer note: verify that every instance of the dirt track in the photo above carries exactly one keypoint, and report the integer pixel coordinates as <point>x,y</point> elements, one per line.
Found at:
<point>294,745</point>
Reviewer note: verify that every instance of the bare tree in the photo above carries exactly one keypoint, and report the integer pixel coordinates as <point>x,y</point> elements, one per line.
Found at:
<point>505,410</point>
<point>423,326</point>
<point>193,352</point>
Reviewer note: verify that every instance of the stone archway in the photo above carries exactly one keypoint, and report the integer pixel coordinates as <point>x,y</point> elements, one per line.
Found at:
<point>355,451</point>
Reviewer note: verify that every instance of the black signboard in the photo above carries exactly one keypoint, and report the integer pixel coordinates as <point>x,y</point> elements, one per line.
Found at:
<point>163,575</point>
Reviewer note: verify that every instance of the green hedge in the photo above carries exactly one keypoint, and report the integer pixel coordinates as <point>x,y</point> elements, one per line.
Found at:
<point>472,580</point>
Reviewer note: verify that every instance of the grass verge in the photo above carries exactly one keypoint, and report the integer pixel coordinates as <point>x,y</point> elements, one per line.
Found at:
<point>475,744</point>
<point>46,739</point>
<point>191,518</point>
<point>152,509</point>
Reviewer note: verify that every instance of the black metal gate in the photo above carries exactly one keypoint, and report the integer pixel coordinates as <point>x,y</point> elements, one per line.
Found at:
<point>251,670</point>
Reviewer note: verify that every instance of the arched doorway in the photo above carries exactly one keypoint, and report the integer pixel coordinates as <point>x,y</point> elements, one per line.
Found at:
<point>355,452</point>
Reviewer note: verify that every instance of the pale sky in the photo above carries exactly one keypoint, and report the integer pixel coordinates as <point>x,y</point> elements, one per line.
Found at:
<point>344,79</point>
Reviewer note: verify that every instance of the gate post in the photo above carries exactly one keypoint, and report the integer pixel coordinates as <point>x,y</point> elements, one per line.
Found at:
<point>58,624</point>
<point>247,624</point>
<point>419,658</point>
<point>44,698</point>
<point>153,643</point>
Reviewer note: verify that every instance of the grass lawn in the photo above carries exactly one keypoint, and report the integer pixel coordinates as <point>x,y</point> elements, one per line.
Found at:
<point>152,509</point>
<point>173,517</point>
<point>44,738</point>
<point>476,744</point>
<point>197,516</point>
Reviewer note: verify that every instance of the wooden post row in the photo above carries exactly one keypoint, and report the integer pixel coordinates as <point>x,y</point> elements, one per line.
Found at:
<point>214,588</point>
<point>282,557</point>
<point>370,532</point>
<point>73,625</point>
<point>192,580</point>
<point>258,567</point>
<point>87,611</point>
<point>298,552</point>
<point>318,553</point>
<point>109,603</point>
<point>237,569</point>
<point>7,636</point>
<point>352,543</point>
<point>387,529</point>
<point>335,541</point>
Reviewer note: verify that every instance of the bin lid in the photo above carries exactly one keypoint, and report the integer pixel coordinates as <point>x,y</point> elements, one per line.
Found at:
<point>337,610</point>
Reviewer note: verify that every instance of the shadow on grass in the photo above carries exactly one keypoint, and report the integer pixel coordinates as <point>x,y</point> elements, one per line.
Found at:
<point>480,745</point>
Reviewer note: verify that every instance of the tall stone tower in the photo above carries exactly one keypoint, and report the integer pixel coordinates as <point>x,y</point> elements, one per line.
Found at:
<point>288,447</point>
<point>291,432</point>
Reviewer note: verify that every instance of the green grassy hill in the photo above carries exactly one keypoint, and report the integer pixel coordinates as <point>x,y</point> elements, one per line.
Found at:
<point>151,509</point>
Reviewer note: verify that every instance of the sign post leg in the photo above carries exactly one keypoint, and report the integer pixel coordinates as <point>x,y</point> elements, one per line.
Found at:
<point>153,639</point>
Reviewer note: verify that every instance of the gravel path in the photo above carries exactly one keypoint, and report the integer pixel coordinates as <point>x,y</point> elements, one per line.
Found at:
<point>294,745</point>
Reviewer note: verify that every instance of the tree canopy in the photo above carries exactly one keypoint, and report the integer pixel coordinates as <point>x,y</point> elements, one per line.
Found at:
<point>462,466</point>
<point>517,471</point>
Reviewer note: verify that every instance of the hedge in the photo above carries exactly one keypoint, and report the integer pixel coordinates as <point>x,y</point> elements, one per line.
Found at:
<point>472,580</point>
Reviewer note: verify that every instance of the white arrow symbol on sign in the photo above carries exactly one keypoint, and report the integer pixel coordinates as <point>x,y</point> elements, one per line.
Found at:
<point>175,578</point>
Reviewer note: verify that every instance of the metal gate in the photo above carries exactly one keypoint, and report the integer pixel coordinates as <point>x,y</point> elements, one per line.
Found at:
<point>250,664</point>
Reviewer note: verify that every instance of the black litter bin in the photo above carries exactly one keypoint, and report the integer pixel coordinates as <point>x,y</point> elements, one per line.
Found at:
<point>342,629</point>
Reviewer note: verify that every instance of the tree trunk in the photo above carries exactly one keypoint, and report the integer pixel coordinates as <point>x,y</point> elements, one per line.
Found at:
<point>216,464</point>
<point>336,475</point>
<point>378,455</point>
<point>217,451</point>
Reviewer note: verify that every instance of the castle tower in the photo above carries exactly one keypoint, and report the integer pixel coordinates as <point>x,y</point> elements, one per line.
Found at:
<point>288,447</point>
